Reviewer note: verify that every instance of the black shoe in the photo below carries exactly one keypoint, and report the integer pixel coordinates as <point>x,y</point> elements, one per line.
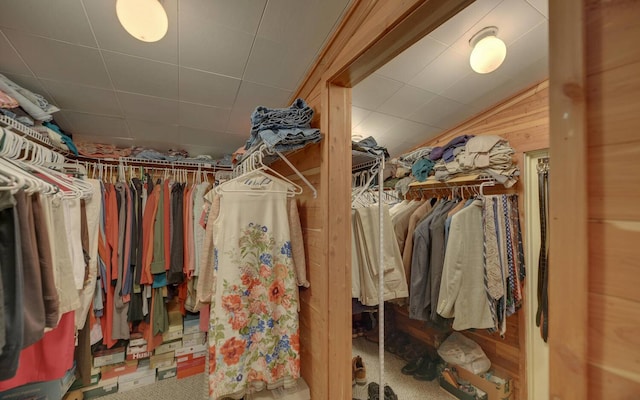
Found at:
<point>389,394</point>
<point>398,344</point>
<point>373,391</point>
<point>415,365</point>
<point>427,371</point>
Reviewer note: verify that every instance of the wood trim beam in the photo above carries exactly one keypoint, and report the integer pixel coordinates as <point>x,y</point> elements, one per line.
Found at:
<point>337,156</point>
<point>418,23</point>
<point>568,271</point>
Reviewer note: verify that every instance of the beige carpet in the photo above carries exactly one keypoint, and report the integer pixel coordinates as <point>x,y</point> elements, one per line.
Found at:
<point>404,386</point>
<point>407,388</point>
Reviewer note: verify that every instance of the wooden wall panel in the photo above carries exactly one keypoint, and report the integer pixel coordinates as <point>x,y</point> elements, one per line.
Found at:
<point>613,257</point>
<point>613,333</point>
<point>607,385</point>
<point>613,83</point>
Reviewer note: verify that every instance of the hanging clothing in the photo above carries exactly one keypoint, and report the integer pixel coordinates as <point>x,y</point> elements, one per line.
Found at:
<point>12,286</point>
<point>254,338</point>
<point>368,246</point>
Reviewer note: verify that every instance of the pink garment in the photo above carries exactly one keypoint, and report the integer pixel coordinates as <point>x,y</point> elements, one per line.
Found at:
<point>204,317</point>
<point>7,101</point>
<point>47,359</point>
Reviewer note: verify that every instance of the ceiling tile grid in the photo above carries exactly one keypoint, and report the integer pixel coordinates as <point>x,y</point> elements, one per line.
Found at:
<point>221,59</point>
<point>439,66</point>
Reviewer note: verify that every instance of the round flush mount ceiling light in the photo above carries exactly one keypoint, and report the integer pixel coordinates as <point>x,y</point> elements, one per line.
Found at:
<point>488,51</point>
<point>145,20</point>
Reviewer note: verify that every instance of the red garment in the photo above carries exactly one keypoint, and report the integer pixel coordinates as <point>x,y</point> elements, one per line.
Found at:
<point>148,220</point>
<point>205,310</point>
<point>167,225</point>
<point>111,233</point>
<point>47,359</point>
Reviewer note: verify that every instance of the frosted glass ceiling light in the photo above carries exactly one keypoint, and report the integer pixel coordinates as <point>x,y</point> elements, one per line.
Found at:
<point>488,51</point>
<point>145,20</point>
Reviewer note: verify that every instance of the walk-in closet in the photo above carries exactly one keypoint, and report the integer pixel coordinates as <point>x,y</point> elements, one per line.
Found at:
<point>342,199</point>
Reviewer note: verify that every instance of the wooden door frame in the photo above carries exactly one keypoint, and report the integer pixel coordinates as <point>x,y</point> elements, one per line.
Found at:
<point>568,271</point>
<point>371,34</point>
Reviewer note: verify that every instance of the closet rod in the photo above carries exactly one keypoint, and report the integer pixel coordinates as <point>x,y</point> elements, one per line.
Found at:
<point>142,162</point>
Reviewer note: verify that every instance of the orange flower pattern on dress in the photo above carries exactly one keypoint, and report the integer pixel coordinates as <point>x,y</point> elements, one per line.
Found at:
<point>255,330</point>
<point>232,350</point>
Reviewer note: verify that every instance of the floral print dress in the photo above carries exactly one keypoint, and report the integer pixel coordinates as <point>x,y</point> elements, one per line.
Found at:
<point>253,331</point>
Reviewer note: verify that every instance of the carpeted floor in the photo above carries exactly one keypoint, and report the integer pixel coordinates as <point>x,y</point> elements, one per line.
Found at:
<point>404,386</point>
<point>407,388</point>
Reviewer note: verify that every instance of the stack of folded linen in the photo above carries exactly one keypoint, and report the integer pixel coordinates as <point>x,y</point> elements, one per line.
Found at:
<point>486,154</point>
<point>283,129</point>
<point>34,105</point>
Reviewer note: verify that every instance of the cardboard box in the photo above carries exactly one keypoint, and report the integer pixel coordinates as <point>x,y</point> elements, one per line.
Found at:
<point>162,360</point>
<point>134,376</point>
<point>50,390</point>
<point>183,351</point>
<point>138,383</point>
<point>136,339</point>
<point>191,324</point>
<point>194,339</point>
<point>115,370</point>
<point>167,347</point>
<point>172,334</point>
<point>190,367</point>
<point>167,372</point>
<point>496,387</point>
<point>74,395</point>
<point>108,357</point>
<point>103,388</point>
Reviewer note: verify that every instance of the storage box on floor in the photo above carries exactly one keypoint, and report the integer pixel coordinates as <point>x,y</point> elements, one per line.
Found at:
<point>50,390</point>
<point>487,386</point>
<point>182,354</point>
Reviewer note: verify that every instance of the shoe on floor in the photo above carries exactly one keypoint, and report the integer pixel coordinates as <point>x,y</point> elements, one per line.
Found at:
<point>427,371</point>
<point>389,393</point>
<point>374,389</point>
<point>416,364</point>
<point>359,371</point>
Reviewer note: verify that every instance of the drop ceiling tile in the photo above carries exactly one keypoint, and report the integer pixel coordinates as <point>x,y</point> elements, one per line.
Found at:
<point>529,48</point>
<point>357,115</point>
<point>541,5</point>
<point>405,101</point>
<point>513,18</point>
<point>443,72</point>
<point>453,29</point>
<point>207,88</point>
<point>97,125</point>
<point>63,122</point>
<point>373,91</point>
<point>112,36</point>
<point>124,142</point>
<point>377,124</point>
<point>147,108</point>
<point>146,131</point>
<point>203,117</point>
<point>83,98</point>
<point>50,59</point>
<point>410,62</point>
<point>242,15</point>
<point>311,23</point>
<point>10,60</point>
<point>200,137</point>
<point>412,133</point>
<point>475,85</point>
<point>140,75</point>
<point>61,19</point>
<point>438,112</point>
<point>226,50</point>
<point>278,64</point>
<point>250,96</point>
